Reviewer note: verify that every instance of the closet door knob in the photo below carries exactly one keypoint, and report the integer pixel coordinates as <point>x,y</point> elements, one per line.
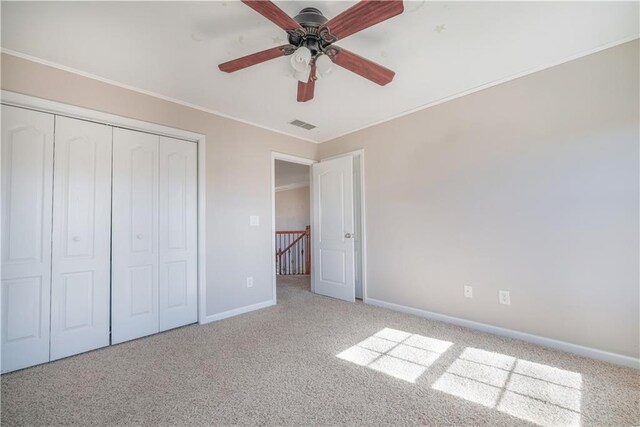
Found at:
<point>76,239</point>
<point>139,236</point>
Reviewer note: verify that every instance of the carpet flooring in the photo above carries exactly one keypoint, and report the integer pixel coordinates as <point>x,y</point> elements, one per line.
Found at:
<point>312,360</point>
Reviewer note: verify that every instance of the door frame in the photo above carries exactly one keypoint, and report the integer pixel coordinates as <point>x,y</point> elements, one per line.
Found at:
<point>363,217</point>
<point>60,109</point>
<point>291,159</point>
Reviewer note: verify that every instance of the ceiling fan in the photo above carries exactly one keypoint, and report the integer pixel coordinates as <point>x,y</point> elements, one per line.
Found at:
<point>311,36</point>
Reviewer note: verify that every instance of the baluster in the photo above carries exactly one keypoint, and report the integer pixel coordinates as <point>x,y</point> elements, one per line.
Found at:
<point>306,253</point>
<point>289,254</point>
<point>309,248</point>
<point>298,256</point>
<point>280,255</point>
<point>304,246</point>
<point>300,253</point>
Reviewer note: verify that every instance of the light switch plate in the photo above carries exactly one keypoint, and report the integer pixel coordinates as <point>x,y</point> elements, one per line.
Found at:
<point>254,221</point>
<point>249,282</point>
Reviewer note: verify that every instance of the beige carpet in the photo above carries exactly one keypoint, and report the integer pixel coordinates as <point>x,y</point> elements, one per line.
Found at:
<point>312,360</point>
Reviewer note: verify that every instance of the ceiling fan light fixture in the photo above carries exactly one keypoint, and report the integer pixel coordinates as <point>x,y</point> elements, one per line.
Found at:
<point>303,76</point>
<point>324,66</point>
<point>301,59</point>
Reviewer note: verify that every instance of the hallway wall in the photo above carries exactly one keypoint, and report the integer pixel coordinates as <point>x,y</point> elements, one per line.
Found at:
<point>292,209</point>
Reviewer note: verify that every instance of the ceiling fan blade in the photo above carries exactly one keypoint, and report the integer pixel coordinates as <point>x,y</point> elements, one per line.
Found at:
<point>256,58</point>
<point>305,90</point>
<point>363,15</point>
<point>361,66</point>
<point>274,14</point>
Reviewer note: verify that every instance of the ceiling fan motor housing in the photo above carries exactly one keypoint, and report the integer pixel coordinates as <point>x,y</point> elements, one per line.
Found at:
<point>311,19</point>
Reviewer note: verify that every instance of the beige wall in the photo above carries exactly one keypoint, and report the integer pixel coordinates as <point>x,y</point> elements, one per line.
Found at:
<point>238,173</point>
<point>292,209</point>
<point>530,186</point>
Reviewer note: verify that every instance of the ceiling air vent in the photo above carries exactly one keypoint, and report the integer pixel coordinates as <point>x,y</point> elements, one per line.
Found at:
<point>303,125</point>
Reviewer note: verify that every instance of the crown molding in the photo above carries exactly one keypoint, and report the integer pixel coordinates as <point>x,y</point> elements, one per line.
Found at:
<point>144,91</point>
<point>489,85</point>
<point>331,138</point>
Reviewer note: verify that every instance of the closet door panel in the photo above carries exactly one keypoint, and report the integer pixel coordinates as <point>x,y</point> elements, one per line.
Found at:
<point>134,235</point>
<point>27,180</point>
<point>80,285</point>
<point>178,233</point>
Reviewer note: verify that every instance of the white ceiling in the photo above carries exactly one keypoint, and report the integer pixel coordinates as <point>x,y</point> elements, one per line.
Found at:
<point>438,50</point>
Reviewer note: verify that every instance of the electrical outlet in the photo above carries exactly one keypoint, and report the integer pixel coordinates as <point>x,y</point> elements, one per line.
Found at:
<point>468,291</point>
<point>249,282</point>
<point>254,221</point>
<point>504,297</point>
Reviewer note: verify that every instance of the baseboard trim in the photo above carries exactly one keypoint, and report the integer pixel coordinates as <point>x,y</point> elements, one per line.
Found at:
<point>580,350</point>
<point>237,311</point>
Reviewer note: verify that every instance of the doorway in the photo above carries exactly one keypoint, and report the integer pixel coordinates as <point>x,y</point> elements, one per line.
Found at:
<point>293,225</point>
<point>291,245</point>
<point>321,239</point>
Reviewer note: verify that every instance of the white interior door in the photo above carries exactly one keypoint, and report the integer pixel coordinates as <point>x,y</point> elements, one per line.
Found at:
<point>178,233</point>
<point>27,183</point>
<point>81,265</point>
<point>333,228</point>
<point>134,302</point>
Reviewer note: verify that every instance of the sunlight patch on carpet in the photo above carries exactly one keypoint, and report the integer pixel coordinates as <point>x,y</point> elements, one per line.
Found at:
<point>534,392</point>
<point>396,353</point>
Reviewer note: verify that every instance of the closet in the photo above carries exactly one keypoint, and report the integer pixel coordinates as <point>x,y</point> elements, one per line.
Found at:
<point>154,234</point>
<point>99,235</point>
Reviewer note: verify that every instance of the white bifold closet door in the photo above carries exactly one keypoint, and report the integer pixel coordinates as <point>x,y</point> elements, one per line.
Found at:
<point>81,277</point>
<point>27,175</point>
<point>154,234</point>
<point>134,286</point>
<point>178,233</point>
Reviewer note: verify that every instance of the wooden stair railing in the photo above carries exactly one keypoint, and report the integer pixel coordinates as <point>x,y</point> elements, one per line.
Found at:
<point>293,252</point>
